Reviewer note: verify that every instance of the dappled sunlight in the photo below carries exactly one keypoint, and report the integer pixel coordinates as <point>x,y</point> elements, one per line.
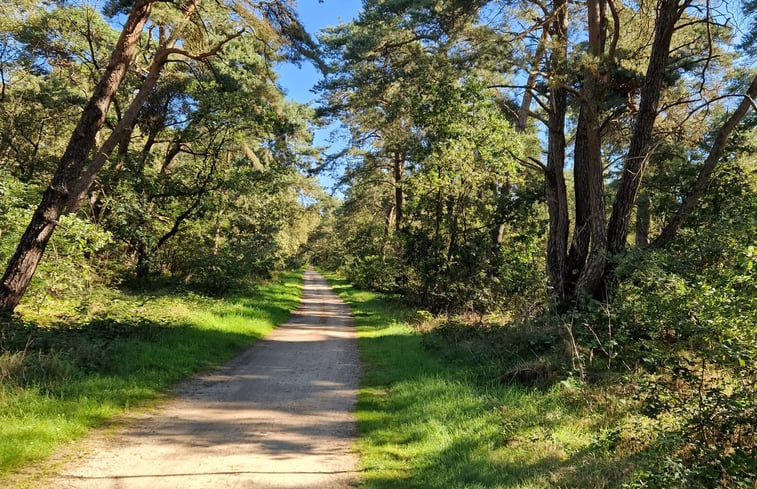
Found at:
<point>431,418</point>
<point>280,414</point>
<point>79,375</point>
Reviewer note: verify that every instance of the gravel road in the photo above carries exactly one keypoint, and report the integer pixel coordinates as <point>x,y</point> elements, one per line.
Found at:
<point>280,415</point>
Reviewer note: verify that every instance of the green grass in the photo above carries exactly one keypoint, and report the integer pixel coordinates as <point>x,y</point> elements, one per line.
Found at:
<point>441,418</point>
<point>60,380</point>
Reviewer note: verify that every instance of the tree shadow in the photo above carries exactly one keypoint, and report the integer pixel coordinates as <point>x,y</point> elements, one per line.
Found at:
<point>428,422</point>
<point>58,379</point>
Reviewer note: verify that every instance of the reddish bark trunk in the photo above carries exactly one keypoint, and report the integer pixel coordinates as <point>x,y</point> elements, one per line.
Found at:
<point>557,201</point>
<point>32,245</point>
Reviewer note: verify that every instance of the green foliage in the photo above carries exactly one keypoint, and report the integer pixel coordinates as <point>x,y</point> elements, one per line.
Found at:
<point>375,272</point>
<point>187,195</point>
<point>72,268</point>
<point>434,412</point>
<point>458,245</point>
<point>684,321</point>
<point>443,206</point>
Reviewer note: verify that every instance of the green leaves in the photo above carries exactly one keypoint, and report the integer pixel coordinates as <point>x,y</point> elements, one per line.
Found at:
<point>404,86</point>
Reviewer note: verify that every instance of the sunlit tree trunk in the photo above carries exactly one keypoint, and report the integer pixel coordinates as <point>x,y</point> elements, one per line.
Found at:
<point>32,245</point>
<point>579,247</point>
<point>638,152</point>
<point>592,103</point>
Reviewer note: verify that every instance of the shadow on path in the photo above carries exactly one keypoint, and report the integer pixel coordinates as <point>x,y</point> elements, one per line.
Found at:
<point>278,415</point>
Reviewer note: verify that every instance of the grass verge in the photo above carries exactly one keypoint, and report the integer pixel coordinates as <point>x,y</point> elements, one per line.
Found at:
<point>433,415</point>
<point>59,380</point>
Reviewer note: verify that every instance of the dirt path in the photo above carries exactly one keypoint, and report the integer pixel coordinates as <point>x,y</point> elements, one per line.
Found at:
<point>278,416</point>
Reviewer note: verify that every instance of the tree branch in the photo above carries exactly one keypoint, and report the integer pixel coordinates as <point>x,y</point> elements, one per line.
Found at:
<point>705,174</point>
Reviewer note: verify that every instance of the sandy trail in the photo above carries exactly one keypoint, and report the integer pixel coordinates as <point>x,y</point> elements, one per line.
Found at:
<point>280,415</point>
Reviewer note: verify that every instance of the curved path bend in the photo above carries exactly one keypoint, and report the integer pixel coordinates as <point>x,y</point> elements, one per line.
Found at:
<point>280,415</point>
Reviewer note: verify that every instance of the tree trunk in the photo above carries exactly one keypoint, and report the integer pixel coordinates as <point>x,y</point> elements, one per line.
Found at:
<point>143,262</point>
<point>389,221</point>
<point>705,174</point>
<point>592,104</point>
<point>32,245</point>
<point>399,170</point>
<point>557,200</point>
<point>637,157</point>
<point>528,96</point>
<point>126,124</point>
<point>642,219</point>
<point>500,220</point>
<point>590,193</point>
<point>579,247</point>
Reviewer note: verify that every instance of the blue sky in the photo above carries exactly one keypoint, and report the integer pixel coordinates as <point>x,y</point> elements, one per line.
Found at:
<point>315,15</point>
<point>298,82</point>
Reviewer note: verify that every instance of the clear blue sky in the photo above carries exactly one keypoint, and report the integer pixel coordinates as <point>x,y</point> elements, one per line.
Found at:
<point>315,15</point>
<point>297,82</point>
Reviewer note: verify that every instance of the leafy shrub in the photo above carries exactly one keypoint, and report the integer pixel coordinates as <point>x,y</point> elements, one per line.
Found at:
<point>70,266</point>
<point>375,272</point>
<point>689,337</point>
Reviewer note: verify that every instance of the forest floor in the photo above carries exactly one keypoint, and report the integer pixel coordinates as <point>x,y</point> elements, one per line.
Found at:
<point>278,415</point>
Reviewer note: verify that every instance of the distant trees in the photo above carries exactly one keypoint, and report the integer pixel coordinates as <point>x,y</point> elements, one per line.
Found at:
<point>578,178</point>
<point>473,126</point>
<point>433,166</point>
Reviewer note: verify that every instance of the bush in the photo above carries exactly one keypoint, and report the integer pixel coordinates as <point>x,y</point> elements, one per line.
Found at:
<point>70,267</point>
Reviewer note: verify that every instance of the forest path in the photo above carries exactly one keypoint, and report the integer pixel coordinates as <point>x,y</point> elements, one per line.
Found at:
<point>280,415</point>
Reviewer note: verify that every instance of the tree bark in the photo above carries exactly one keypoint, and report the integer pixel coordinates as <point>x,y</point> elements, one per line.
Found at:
<point>579,247</point>
<point>32,245</point>
<point>398,170</point>
<point>705,174</point>
<point>525,105</point>
<point>637,157</point>
<point>593,94</point>
<point>126,124</point>
<point>557,200</point>
<point>500,220</point>
<point>120,133</point>
<point>642,219</point>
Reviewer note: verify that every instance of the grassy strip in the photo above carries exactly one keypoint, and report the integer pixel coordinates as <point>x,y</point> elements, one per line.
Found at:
<point>432,416</point>
<point>60,380</point>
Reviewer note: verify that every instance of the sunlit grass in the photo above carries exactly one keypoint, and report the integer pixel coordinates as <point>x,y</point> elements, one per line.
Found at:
<point>73,377</point>
<point>440,419</point>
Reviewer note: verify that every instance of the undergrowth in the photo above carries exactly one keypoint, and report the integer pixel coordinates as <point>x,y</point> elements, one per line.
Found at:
<point>438,408</point>
<point>566,401</point>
